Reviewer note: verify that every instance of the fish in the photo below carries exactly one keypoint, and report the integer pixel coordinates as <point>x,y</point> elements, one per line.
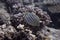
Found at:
<point>32,19</point>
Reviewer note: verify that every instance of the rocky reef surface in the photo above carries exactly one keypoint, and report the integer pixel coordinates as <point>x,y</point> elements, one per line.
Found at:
<point>26,21</point>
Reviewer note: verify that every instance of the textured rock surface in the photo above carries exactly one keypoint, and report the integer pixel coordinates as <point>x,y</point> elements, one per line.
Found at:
<point>52,2</point>
<point>53,5</point>
<point>13,11</point>
<point>54,9</point>
<point>49,34</point>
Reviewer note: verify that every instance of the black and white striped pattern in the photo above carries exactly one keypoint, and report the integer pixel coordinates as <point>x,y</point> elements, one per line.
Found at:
<point>32,19</point>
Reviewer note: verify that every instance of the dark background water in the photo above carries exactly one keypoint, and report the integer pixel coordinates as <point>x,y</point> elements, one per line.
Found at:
<point>54,17</point>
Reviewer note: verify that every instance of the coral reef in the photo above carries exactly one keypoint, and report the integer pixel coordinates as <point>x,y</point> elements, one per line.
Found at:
<point>25,22</point>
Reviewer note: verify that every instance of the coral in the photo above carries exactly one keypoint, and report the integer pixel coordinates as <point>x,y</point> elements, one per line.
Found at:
<point>24,22</point>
